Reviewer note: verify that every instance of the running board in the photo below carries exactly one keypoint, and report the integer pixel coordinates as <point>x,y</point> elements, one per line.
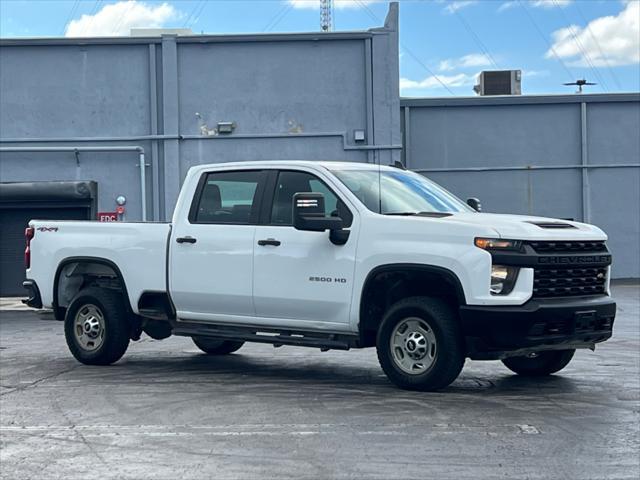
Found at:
<point>278,338</point>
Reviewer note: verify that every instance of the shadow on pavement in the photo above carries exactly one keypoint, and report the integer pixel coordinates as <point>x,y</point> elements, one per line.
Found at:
<point>248,370</point>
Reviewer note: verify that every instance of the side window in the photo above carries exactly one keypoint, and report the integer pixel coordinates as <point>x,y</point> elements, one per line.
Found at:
<point>290,183</point>
<point>227,197</point>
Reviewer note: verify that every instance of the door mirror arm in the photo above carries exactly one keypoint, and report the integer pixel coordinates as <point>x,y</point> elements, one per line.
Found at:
<point>339,237</point>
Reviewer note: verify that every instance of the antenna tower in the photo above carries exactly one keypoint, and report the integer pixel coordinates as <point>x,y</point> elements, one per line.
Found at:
<point>326,15</point>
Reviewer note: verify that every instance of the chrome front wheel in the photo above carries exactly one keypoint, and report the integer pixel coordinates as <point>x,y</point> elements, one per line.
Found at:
<point>413,346</point>
<point>419,344</point>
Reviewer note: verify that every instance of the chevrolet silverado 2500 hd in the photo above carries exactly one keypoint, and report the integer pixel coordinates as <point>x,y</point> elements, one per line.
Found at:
<point>334,256</point>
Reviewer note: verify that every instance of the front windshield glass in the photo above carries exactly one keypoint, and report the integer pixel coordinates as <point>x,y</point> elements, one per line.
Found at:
<point>399,192</point>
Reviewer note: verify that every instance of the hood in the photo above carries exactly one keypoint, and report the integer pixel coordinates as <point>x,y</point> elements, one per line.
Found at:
<point>523,227</point>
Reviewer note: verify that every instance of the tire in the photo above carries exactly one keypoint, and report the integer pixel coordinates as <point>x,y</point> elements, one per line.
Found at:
<point>429,354</point>
<point>96,326</point>
<point>212,346</point>
<point>543,363</point>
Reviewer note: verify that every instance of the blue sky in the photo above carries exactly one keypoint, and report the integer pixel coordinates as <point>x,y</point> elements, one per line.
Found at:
<point>444,44</point>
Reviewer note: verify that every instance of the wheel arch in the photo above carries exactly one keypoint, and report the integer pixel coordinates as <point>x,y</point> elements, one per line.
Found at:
<point>389,283</point>
<point>59,304</point>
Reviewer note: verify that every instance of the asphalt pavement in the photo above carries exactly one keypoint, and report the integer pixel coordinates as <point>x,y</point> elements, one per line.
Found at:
<point>167,411</point>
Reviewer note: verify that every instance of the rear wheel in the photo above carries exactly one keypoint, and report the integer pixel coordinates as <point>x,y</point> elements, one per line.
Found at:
<point>96,326</point>
<point>540,363</point>
<point>419,344</point>
<point>212,346</point>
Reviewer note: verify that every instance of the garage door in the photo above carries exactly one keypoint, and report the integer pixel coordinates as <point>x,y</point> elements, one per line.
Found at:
<point>13,221</point>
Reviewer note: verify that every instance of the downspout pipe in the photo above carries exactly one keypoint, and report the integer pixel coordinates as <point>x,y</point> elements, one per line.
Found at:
<point>127,148</point>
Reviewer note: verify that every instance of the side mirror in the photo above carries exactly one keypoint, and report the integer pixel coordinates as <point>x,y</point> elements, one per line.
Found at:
<point>475,204</point>
<point>309,215</point>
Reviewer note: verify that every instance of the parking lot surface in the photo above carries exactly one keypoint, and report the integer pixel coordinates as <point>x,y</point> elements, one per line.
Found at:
<point>167,411</point>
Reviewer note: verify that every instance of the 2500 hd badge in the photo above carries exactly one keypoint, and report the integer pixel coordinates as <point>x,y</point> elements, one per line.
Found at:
<point>328,279</point>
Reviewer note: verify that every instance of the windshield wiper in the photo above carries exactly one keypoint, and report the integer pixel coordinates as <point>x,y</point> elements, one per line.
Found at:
<point>402,213</point>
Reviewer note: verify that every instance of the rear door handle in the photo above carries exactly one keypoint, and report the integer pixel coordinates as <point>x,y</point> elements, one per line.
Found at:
<point>186,240</point>
<point>269,241</point>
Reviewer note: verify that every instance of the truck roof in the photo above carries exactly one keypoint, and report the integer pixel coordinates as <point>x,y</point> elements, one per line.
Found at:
<point>328,164</point>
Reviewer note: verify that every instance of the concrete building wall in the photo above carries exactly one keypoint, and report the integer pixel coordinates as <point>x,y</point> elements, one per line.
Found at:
<point>291,96</point>
<point>566,156</point>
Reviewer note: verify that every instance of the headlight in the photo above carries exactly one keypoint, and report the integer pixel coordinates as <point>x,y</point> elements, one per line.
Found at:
<point>497,244</point>
<point>503,279</point>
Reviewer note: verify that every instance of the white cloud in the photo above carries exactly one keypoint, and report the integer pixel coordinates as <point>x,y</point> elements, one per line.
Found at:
<point>546,4</point>
<point>432,82</point>
<point>338,4</point>
<point>118,19</point>
<point>609,40</point>
<point>535,73</point>
<point>453,7</point>
<point>466,61</point>
<point>550,3</point>
<point>507,5</point>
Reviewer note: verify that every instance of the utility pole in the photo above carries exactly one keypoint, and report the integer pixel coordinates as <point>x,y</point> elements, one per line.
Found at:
<point>326,15</point>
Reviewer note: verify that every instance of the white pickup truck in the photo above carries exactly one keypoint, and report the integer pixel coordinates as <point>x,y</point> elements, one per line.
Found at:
<point>333,256</point>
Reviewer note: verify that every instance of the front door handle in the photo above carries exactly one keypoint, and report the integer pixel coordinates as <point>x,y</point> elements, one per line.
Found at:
<point>269,241</point>
<point>186,240</point>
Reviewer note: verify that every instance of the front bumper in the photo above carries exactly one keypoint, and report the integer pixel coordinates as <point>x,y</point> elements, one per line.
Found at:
<point>34,300</point>
<point>549,324</point>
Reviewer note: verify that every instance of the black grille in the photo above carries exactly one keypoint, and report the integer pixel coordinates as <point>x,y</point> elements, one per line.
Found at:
<point>563,282</point>
<point>568,247</point>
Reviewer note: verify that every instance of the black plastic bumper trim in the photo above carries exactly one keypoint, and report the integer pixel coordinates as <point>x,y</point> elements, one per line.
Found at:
<point>540,324</point>
<point>34,300</point>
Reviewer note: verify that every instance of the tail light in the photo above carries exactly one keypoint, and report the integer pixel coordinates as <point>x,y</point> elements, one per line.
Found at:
<point>29,232</point>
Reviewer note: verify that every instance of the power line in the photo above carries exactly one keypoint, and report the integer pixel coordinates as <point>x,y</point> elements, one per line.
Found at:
<point>595,71</point>
<point>272,19</point>
<point>602,54</point>
<point>417,60</point>
<point>192,13</point>
<point>94,11</point>
<point>542,35</point>
<point>473,34</point>
<point>123,17</point>
<point>96,6</point>
<point>409,52</point>
<point>72,12</point>
<point>198,14</point>
<point>277,18</point>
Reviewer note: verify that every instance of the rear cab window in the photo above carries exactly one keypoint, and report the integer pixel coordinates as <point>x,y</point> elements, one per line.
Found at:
<point>227,198</point>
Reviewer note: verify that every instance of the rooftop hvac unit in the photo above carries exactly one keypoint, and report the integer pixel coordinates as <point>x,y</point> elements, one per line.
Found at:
<point>499,82</point>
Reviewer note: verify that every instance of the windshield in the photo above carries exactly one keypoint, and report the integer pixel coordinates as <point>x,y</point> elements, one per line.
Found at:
<point>403,192</point>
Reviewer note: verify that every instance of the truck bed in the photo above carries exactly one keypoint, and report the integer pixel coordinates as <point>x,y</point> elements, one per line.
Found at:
<point>138,250</point>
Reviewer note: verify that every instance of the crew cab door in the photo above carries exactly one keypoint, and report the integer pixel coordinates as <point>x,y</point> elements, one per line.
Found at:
<point>300,275</point>
<point>211,251</point>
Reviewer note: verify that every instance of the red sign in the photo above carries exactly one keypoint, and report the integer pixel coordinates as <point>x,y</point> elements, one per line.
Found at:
<point>107,216</point>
